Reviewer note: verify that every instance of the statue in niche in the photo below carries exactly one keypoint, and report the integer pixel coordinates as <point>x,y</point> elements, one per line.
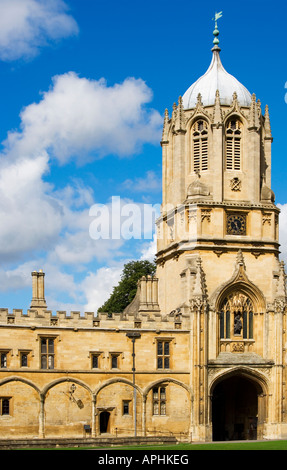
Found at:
<point>237,324</point>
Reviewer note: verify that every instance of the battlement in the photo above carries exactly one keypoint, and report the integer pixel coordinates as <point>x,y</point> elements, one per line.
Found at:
<point>40,317</point>
<point>143,312</point>
<point>36,318</point>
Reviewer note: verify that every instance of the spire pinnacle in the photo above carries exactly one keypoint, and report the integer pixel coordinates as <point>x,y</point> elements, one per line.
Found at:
<point>216,32</point>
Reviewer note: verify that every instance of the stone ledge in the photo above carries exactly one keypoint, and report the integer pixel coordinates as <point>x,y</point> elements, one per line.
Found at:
<point>10,444</point>
<point>226,358</point>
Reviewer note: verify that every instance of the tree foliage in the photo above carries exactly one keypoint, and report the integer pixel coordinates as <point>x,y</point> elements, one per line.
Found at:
<point>123,294</point>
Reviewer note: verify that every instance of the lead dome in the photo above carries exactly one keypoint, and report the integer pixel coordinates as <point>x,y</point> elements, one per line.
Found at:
<point>216,78</point>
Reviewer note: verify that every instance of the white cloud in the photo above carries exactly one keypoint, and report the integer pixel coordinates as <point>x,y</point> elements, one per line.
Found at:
<point>79,249</point>
<point>149,250</point>
<point>75,117</point>
<point>150,183</point>
<point>17,278</point>
<point>49,226</point>
<point>62,290</point>
<point>123,219</point>
<point>28,25</point>
<point>30,218</point>
<point>98,286</point>
<point>83,119</point>
<point>75,194</point>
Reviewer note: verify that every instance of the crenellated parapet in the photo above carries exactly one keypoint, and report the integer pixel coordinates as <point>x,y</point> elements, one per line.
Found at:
<point>150,320</point>
<point>44,318</point>
<point>142,312</point>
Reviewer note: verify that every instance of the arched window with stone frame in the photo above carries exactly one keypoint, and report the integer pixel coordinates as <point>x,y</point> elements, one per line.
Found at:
<point>233,144</point>
<point>200,146</point>
<point>236,317</point>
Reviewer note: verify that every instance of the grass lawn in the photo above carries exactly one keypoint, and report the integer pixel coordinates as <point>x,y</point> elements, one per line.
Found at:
<point>254,445</point>
<point>181,447</point>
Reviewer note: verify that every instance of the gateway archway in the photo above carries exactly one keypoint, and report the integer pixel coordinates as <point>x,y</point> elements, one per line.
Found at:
<point>238,411</point>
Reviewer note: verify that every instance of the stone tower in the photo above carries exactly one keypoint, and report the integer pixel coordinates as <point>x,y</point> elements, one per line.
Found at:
<point>200,352</point>
<point>218,255</point>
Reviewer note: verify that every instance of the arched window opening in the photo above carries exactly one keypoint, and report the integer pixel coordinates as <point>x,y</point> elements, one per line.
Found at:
<point>236,317</point>
<point>200,146</point>
<point>233,144</point>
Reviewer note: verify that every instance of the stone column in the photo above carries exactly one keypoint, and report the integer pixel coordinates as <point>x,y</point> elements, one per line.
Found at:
<point>261,415</point>
<point>42,418</point>
<point>94,416</point>
<point>144,398</point>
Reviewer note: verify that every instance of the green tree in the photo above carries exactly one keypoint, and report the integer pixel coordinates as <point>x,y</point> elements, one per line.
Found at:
<point>123,294</point>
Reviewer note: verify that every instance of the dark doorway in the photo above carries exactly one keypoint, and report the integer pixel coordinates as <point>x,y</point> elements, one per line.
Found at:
<point>104,422</point>
<point>235,409</point>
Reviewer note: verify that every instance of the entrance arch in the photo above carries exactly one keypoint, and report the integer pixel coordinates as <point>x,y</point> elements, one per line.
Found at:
<point>238,408</point>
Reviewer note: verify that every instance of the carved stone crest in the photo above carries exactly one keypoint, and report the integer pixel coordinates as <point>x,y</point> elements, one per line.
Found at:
<point>235,184</point>
<point>237,347</point>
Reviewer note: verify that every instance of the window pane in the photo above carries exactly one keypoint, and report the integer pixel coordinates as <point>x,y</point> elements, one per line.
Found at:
<point>43,345</point>
<point>162,408</point>
<point>250,324</point>
<point>5,406</point>
<point>51,362</point>
<point>50,345</point>
<point>24,360</point>
<point>95,362</point>
<point>155,393</point>
<point>221,325</point>
<point>227,324</point>
<point>125,407</point>
<point>159,348</point>
<point>44,362</point>
<point>3,360</point>
<point>166,362</point>
<point>166,348</point>
<point>159,362</point>
<point>114,362</point>
<point>155,408</point>
<point>245,324</point>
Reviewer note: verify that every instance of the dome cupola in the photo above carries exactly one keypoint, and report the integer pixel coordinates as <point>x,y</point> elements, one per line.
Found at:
<point>216,78</point>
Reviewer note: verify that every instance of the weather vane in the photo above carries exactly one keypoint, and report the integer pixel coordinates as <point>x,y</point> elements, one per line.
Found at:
<point>216,32</point>
<point>217,16</point>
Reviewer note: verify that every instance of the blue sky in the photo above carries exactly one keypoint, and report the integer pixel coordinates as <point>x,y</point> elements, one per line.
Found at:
<point>84,86</point>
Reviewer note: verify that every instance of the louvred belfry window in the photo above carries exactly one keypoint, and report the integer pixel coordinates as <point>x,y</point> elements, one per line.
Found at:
<point>233,145</point>
<point>200,146</point>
